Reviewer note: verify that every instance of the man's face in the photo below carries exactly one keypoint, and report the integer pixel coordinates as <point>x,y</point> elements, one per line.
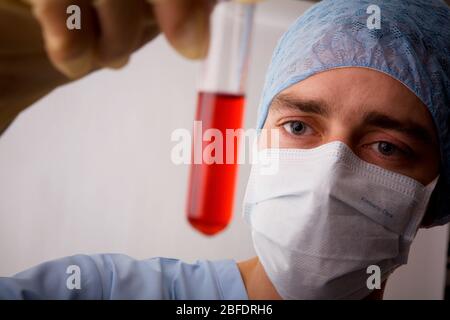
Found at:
<point>380,119</point>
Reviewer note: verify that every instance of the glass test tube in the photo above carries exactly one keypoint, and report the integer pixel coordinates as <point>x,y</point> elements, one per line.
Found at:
<point>221,99</point>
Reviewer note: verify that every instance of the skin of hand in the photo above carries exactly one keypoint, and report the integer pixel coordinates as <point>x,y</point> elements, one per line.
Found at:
<point>38,52</point>
<point>345,97</point>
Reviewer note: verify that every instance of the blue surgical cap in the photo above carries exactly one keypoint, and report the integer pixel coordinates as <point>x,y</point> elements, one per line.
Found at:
<point>412,45</point>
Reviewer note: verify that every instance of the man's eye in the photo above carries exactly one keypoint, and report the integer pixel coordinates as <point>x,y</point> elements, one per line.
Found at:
<point>386,149</point>
<point>296,127</point>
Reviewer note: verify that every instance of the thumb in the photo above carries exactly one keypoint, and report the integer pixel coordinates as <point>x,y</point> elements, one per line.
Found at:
<point>185,23</point>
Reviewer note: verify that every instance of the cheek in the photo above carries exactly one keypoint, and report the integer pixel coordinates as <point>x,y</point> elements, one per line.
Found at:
<point>269,138</point>
<point>427,169</point>
<point>423,168</point>
<point>262,142</point>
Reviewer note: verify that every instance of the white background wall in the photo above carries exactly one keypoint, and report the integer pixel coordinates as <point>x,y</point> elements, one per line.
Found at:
<point>88,170</point>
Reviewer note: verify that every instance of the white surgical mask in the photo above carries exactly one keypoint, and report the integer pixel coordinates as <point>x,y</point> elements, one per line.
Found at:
<point>326,215</point>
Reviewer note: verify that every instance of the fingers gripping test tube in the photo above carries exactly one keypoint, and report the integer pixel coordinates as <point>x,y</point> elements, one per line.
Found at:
<point>221,99</point>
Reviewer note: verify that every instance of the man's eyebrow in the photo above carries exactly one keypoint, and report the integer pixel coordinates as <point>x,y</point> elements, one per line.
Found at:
<point>410,128</point>
<point>303,105</point>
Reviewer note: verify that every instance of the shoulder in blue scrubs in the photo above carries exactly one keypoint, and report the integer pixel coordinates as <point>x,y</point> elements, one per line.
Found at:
<point>114,276</point>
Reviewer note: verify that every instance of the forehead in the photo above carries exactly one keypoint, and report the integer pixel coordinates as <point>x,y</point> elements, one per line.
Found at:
<point>353,91</point>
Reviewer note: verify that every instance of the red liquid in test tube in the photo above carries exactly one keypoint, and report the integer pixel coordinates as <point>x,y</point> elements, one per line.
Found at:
<point>220,106</point>
<point>212,186</point>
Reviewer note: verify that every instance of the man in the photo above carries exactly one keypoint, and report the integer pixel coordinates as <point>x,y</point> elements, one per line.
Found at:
<point>363,156</point>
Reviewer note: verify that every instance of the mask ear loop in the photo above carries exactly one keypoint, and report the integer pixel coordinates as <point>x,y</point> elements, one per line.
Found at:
<point>433,205</point>
<point>416,222</point>
<point>424,207</point>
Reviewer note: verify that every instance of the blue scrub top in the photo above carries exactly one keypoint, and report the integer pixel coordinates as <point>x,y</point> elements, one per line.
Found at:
<point>114,276</point>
